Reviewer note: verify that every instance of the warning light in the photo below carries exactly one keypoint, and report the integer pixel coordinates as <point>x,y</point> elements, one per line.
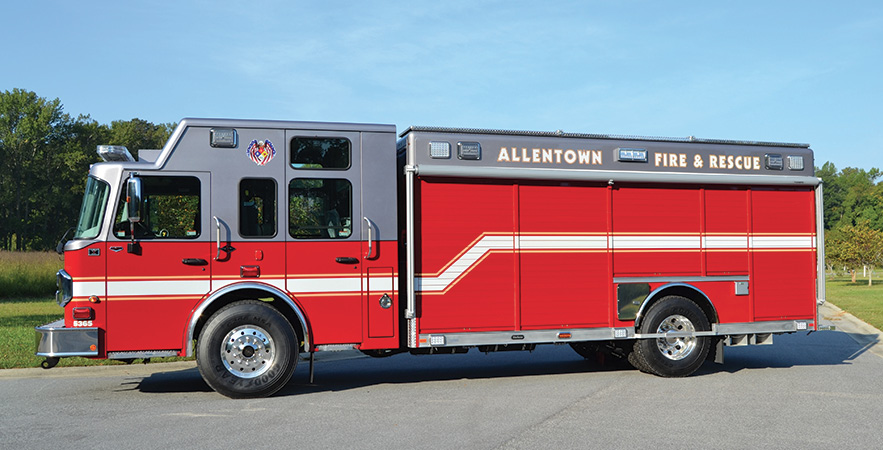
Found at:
<point>93,347</point>
<point>82,313</point>
<point>631,154</point>
<point>439,150</point>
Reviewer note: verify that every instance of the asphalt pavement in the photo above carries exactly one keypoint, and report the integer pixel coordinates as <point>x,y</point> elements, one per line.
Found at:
<point>816,390</point>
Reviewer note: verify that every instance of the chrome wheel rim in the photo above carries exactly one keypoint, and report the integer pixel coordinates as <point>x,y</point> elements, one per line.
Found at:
<point>248,351</point>
<point>676,347</point>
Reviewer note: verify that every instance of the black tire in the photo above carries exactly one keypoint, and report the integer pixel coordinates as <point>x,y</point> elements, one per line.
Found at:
<point>259,345</point>
<point>672,357</point>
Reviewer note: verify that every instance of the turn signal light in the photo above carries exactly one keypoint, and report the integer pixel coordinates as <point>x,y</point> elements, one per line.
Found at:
<point>82,313</point>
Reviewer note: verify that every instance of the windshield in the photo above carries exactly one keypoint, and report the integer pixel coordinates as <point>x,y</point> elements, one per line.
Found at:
<point>92,211</point>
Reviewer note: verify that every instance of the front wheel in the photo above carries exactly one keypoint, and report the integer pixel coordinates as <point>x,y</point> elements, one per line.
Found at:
<point>677,355</point>
<point>247,349</point>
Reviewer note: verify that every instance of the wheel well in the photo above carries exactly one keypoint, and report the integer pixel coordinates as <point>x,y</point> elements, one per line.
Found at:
<point>274,300</point>
<point>682,290</point>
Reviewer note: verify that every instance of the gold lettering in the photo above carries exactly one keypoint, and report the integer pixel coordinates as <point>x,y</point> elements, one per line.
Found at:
<point>584,156</point>
<point>596,157</point>
<point>547,155</point>
<point>536,155</point>
<point>558,155</point>
<point>504,155</point>
<point>570,156</point>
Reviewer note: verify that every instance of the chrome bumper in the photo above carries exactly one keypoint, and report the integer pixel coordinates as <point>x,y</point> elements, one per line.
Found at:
<point>54,340</point>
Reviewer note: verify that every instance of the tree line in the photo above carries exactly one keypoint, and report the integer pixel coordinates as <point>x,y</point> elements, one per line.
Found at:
<point>853,212</point>
<point>45,154</point>
<point>44,157</point>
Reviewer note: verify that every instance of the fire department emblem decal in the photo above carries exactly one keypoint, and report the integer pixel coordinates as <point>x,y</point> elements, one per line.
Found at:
<point>261,152</point>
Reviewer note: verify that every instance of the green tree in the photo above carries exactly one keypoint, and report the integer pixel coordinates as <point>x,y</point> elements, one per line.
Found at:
<point>44,158</point>
<point>32,128</point>
<point>851,196</point>
<point>137,134</point>
<point>855,246</point>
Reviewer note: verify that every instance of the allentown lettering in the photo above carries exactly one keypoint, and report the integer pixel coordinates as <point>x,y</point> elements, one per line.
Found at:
<point>550,156</point>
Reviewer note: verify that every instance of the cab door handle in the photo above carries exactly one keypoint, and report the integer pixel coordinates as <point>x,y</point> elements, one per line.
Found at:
<point>194,261</point>
<point>347,260</point>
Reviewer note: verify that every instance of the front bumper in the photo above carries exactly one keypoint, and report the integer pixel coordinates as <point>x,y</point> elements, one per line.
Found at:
<point>54,340</point>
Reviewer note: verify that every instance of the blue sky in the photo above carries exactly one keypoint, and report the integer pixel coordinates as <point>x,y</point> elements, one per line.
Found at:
<point>792,71</point>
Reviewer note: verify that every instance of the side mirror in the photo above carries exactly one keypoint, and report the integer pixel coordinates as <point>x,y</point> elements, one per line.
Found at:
<point>134,190</point>
<point>133,199</point>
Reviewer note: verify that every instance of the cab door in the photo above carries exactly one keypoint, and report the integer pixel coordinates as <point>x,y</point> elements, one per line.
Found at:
<point>248,242</point>
<point>323,250</point>
<point>155,280</point>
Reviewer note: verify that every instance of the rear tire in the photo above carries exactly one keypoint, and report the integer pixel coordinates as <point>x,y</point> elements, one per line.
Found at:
<point>247,349</point>
<point>672,356</point>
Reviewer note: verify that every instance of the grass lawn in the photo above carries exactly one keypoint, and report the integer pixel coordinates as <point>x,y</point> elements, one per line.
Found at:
<point>858,299</point>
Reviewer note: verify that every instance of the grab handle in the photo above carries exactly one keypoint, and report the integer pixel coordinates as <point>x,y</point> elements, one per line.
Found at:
<point>370,238</point>
<point>218,239</point>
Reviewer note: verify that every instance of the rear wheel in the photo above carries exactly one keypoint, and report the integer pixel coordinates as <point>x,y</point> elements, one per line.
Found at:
<point>247,349</point>
<point>674,356</point>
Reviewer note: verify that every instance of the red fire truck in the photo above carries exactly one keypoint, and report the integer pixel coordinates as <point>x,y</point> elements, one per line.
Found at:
<point>247,243</point>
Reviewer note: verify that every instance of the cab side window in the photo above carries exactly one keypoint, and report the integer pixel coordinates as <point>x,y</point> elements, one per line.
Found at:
<point>257,208</point>
<point>171,210</point>
<point>320,153</point>
<point>320,208</point>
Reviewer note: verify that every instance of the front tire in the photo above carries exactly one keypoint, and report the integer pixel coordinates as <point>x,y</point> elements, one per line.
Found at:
<point>675,356</point>
<point>247,349</point>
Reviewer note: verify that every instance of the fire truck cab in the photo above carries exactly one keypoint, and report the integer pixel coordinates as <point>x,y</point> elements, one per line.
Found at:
<point>260,240</point>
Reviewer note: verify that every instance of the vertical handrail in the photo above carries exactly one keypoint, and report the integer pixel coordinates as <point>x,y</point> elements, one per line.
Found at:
<point>370,225</point>
<point>218,238</point>
<point>411,300</point>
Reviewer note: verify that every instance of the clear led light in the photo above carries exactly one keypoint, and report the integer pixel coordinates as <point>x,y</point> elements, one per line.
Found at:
<point>439,150</point>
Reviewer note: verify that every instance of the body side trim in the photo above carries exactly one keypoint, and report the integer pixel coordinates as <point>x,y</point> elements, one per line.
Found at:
<point>609,176</point>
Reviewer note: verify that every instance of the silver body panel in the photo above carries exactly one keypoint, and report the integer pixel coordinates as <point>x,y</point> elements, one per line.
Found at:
<point>601,334</point>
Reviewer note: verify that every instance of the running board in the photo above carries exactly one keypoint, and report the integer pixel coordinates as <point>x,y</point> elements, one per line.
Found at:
<point>142,355</point>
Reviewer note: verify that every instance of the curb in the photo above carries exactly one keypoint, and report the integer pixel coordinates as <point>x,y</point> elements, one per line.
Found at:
<point>861,332</point>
